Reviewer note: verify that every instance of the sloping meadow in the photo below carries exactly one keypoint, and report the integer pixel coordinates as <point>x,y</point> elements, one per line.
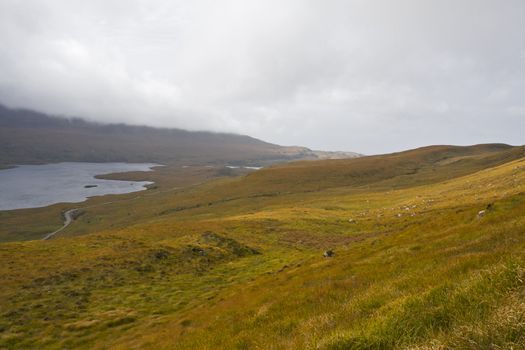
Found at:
<point>435,265</point>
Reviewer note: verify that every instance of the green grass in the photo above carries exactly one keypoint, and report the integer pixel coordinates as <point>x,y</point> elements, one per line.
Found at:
<point>237,263</point>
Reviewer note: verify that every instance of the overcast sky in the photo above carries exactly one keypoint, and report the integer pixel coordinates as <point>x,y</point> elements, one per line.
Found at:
<point>366,75</point>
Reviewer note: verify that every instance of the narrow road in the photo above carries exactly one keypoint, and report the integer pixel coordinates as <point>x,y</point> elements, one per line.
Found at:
<point>68,215</point>
<point>68,218</point>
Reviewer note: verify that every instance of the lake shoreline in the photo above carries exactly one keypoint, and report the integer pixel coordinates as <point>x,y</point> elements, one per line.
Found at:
<point>68,182</point>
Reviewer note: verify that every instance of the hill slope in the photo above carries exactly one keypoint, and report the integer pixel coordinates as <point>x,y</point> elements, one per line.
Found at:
<point>237,263</point>
<point>32,137</point>
<point>409,168</point>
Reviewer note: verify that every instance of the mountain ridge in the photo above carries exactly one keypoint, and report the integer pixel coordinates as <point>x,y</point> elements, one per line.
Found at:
<point>28,136</point>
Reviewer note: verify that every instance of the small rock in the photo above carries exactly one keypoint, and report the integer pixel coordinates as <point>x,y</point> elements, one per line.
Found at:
<point>352,221</point>
<point>198,251</point>
<point>481,213</point>
<point>328,254</point>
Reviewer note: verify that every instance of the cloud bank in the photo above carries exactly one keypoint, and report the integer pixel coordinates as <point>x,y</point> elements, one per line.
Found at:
<point>360,75</point>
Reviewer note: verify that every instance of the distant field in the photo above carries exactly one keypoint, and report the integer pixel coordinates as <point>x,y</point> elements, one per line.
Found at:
<point>428,255</point>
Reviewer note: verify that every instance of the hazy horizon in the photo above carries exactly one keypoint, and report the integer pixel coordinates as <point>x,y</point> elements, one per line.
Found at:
<point>363,76</point>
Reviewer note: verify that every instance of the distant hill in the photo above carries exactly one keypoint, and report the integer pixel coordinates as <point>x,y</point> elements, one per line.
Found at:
<point>32,137</point>
<point>397,170</point>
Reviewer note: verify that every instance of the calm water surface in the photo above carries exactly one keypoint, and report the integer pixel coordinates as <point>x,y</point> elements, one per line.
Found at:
<point>32,186</point>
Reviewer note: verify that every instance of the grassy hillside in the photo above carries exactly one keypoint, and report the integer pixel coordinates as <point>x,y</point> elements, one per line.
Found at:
<point>237,263</point>
<point>32,137</point>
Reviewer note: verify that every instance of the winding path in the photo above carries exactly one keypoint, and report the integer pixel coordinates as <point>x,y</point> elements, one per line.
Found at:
<point>68,215</point>
<point>68,218</point>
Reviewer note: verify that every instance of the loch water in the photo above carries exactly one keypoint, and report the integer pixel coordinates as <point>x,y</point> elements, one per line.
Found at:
<point>32,186</point>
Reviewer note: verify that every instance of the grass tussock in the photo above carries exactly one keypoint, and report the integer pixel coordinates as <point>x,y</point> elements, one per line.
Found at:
<point>449,311</point>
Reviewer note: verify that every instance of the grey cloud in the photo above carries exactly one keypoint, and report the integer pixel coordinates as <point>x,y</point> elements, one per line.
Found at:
<point>367,76</point>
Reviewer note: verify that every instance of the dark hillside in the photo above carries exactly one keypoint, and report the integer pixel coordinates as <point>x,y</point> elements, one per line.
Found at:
<point>33,137</point>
